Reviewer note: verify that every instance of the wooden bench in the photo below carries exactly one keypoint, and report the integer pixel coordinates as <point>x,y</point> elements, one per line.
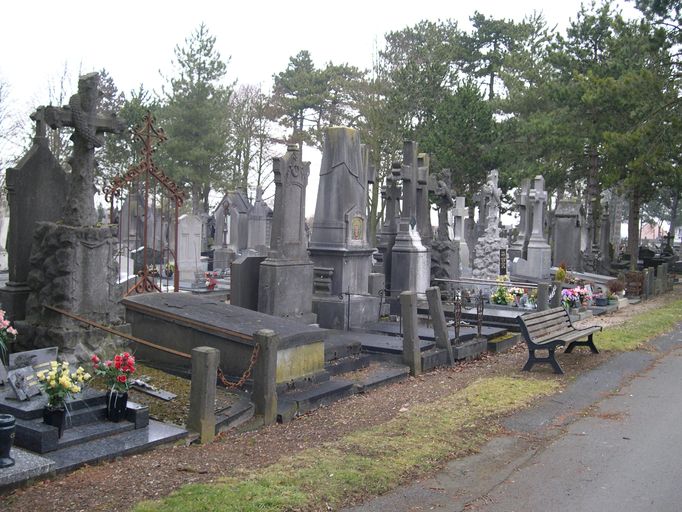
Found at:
<point>549,329</point>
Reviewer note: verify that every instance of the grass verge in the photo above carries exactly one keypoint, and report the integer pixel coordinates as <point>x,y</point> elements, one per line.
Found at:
<point>370,461</point>
<point>640,328</point>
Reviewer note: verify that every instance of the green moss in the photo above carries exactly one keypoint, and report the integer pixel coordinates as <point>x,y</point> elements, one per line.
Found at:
<point>370,461</point>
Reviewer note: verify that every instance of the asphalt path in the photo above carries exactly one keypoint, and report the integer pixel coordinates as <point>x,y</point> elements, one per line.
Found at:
<point>612,441</point>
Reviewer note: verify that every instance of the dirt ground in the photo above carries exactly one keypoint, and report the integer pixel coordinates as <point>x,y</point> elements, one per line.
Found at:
<point>120,484</point>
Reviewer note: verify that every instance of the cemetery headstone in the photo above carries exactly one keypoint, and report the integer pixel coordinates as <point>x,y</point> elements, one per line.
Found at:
<point>72,265</point>
<point>460,213</point>
<point>410,259</point>
<point>538,262</point>
<point>423,208</point>
<point>567,235</point>
<point>286,276</point>
<point>36,189</point>
<point>444,252</point>
<point>257,225</point>
<point>487,257</point>
<point>339,235</point>
<point>518,247</point>
<point>188,260</point>
<point>389,229</point>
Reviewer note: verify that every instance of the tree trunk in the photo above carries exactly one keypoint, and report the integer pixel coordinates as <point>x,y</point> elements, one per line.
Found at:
<point>633,228</point>
<point>196,198</point>
<point>373,209</point>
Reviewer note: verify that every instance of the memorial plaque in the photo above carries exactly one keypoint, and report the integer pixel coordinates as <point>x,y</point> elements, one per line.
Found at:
<point>503,262</point>
<point>24,383</point>
<point>32,358</point>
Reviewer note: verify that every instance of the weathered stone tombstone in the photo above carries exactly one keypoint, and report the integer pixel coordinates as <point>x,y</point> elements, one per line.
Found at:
<point>339,236</point>
<point>538,262</point>
<point>517,249</point>
<point>445,254</point>
<point>488,247</point>
<point>423,208</point>
<point>257,218</point>
<point>386,239</point>
<point>231,228</point>
<point>567,235</point>
<point>36,188</point>
<point>72,265</point>
<point>188,260</point>
<point>286,276</point>
<point>460,213</point>
<point>410,259</point>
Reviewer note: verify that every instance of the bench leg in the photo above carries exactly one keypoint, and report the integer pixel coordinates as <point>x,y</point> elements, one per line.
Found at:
<point>551,359</point>
<point>589,343</point>
<point>555,364</point>
<point>531,361</point>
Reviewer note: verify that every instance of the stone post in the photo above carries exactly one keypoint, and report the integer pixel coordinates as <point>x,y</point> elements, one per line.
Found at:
<point>411,346</point>
<point>543,296</point>
<point>202,392</point>
<point>556,298</point>
<point>264,396</point>
<point>440,327</point>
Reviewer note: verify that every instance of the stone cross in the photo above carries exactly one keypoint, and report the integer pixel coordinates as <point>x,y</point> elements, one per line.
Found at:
<point>444,202</point>
<point>522,196</point>
<point>407,172</point>
<point>89,126</point>
<point>459,213</point>
<point>423,209</point>
<point>288,237</point>
<point>539,197</point>
<point>392,197</point>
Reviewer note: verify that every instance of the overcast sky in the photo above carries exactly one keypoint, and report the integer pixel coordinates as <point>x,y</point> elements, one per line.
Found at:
<point>134,41</point>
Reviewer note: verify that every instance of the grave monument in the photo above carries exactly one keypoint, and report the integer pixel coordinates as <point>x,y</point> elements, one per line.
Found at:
<point>286,277</point>
<point>72,265</point>
<point>537,264</point>
<point>491,249</point>
<point>36,189</point>
<point>519,246</point>
<point>567,235</point>
<point>410,260</point>
<point>339,235</point>
<point>444,252</point>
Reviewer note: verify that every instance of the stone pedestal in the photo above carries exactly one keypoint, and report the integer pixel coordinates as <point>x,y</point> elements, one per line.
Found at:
<point>67,263</point>
<point>13,298</point>
<point>411,264</point>
<point>284,291</point>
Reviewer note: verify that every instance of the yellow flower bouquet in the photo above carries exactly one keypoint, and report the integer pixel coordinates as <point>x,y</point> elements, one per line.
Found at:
<point>59,383</point>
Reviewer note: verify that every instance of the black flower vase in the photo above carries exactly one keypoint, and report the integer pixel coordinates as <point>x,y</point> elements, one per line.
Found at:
<point>116,405</point>
<point>7,426</point>
<point>55,416</point>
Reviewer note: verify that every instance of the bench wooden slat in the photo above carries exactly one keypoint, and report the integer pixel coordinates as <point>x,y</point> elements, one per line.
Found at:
<point>556,323</point>
<point>544,318</point>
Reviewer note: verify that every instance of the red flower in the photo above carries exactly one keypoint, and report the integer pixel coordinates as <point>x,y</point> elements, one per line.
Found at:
<point>95,359</point>
<point>122,379</point>
<point>108,363</point>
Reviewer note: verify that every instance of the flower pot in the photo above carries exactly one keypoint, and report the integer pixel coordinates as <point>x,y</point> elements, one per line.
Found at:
<point>116,405</point>
<point>56,417</point>
<point>574,311</point>
<point>601,301</point>
<point>7,426</point>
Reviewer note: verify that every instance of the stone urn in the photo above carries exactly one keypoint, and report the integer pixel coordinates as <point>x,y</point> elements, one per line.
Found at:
<point>7,427</point>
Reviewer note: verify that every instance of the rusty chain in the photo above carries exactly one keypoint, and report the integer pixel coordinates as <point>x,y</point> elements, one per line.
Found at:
<point>245,376</point>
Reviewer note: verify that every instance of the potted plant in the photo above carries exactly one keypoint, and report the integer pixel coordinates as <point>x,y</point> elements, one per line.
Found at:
<point>117,374</point>
<point>600,299</point>
<point>570,299</point>
<point>616,287</point>
<point>7,334</point>
<point>612,299</point>
<point>59,384</point>
<point>502,296</point>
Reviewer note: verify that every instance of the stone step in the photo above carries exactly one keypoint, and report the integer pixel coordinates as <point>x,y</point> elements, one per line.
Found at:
<point>110,447</point>
<point>384,375</point>
<point>235,415</point>
<point>299,402</point>
<point>81,426</point>
<point>347,364</point>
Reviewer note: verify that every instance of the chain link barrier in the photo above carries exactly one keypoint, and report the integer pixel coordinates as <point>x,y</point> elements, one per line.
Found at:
<point>245,376</point>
